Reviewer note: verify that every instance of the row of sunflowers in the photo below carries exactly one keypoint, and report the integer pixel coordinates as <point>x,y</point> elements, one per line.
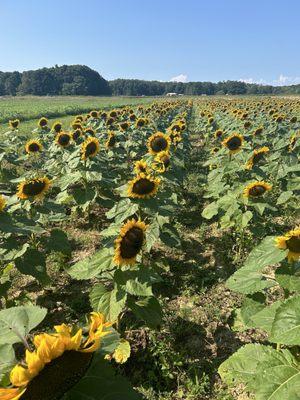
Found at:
<point>251,184</point>
<point>121,170</point>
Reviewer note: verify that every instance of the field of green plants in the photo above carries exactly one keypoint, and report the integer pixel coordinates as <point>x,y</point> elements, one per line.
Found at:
<point>150,249</point>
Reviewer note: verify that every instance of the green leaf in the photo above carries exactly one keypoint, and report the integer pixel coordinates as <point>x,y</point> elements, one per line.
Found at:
<point>122,210</point>
<point>92,266</point>
<point>7,359</point>
<point>137,281</point>
<point>110,303</point>
<point>148,310</point>
<point>17,322</point>
<point>249,308</point>
<point>264,318</point>
<point>288,276</point>
<point>286,326</point>
<point>247,281</point>
<point>102,383</point>
<point>210,211</point>
<point>170,236</point>
<point>284,197</point>
<point>58,241</point>
<point>84,197</point>
<point>33,263</point>
<point>152,235</point>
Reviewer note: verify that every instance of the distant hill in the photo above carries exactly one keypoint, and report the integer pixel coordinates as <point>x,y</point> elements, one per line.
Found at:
<point>82,80</point>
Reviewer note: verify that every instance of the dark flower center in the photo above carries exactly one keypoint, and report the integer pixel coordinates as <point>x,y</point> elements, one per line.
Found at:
<point>76,134</point>
<point>33,147</point>
<point>58,376</point>
<point>132,242</point>
<point>234,143</point>
<point>140,122</point>
<point>132,117</point>
<point>57,127</point>
<point>257,190</point>
<point>158,144</point>
<point>143,186</point>
<point>166,161</point>
<point>34,188</point>
<point>64,139</point>
<point>258,157</point>
<point>15,124</point>
<point>111,141</point>
<point>43,122</point>
<point>90,149</point>
<point>124,125</point>
<point>293,244</point>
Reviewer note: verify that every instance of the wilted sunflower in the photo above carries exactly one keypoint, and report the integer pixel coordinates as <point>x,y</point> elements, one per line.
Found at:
<point>2,206</point>
<point>14,124</point>
<point>141,166</point>
<point>90,147</point>
<point>43,122</point>
<point>57,362</point>
<point>257,156</point>
<point>33,146</point>
<point>290,241</point>
<point>162,161</point>
<point>129,242</point>
<point>57,127</point>
<point>33,188</point>
<point>158,142</point>
<point>256,189</point>
<point>63,139</point>
<point>143,186</point>
<point>111,141</point>
<point>233,143</point>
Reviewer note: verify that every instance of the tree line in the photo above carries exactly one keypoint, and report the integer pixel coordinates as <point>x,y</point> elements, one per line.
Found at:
<point>82,80</point>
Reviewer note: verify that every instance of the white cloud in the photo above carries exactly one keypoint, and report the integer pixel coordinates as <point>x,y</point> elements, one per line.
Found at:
<point>179,78</point>
<point>253,80</point>
<point>282,80</point>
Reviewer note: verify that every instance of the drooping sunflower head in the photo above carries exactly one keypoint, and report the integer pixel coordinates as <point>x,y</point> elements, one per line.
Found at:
<point>143,186</point>
<point>33,146</point>
<point>162,161</point>
<point>233,143</point>
<point>90,147</point>
<point>141,166</point>
<point>63,139</point>
<point>291,242</point>
<point>57,127</point>
<point>158,142</point>
<point>14,124</point>
<point>2,205</point>
<point>256,189</point>
<point>33,188</point>
<point>219,133</point>
<point>257,156</point>
<point>111,141</point>
<point>129,242</point>
<point>56,362</point>
<point>43,122</point>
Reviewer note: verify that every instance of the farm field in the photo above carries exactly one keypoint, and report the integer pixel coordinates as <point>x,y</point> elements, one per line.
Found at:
<point>150,248</point>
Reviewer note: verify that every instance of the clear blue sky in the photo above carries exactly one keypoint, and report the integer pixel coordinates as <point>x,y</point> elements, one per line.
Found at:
<point>156,39</point>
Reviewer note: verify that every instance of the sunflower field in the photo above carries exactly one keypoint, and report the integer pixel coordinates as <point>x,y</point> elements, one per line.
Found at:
<point>151,251</point>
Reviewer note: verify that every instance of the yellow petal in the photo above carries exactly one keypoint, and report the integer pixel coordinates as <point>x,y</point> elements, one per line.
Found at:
<point>19,376</point>
<point>34,363</point>
<point>11,394</point>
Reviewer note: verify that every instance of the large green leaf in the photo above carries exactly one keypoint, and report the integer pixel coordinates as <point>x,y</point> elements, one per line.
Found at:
<point>265,317</point>
<point>210,210</point>
<point>17,322</point>
<point>288,276</point>
<point>147,309</point>
<point>33,263</point>
<point>137,281</point>
<point>92,266</point>
<point>109,302</point>
<point>122,210</point>
<point>7,359</point>
<point>286,326</point>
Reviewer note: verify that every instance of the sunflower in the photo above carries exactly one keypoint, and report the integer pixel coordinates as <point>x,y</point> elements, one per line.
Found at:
<point>124,126</point>
<point>129,242</point>
<point>158,142</point>
<point>76,125</point>
<point>76,134</point>
<point>257,156</point>
<point>43,122</point>
<point>33,146</point>
<point>110,121</point>
<point>162,161</point>
<point>141,166</point>
<point>63,139</point>
<point>2,203</point>
<point>132,117</point>
<point>140,122</point>
<point>57,127</point>
<point>113,114</point>
<point>258,131</point>
<point>291,242</point>
<point>33,188</point>
<point>143,186</point>
<point>219,133</point>
<point>94,114</point>
<point>56,362</point>
<point>90,147</point>
<point>14,124</point>
<point>89,132</point>
<point>214,150</point>
<point>256,189</point>
<point>233,143</point>
<point>111,141</point>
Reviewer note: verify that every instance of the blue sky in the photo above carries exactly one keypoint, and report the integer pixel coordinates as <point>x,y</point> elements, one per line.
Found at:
<point>190,40</point>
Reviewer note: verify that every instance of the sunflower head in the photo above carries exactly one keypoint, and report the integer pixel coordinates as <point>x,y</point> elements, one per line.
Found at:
<point>111,141</point>
<point>129,242</point>
<point>110,121</point>
<point>256,189</point>
<point>76,125</point>
<point>57,127</point>
<point>89,132</point>
<point>258,131</point>
<point>63,139</point>
<point>257,156</point>
<point>90,147</point>
<point>14,124</point>
<point>291,242</point>
<point>132,117</point>
<point>143,186</point>
<point>162,161</point>
<point>43,122</point>
<point>33,146</point>
<point>2,203</point>
<point>124,126</point>
<point>76,134</point>
<point>219,133</point>
<point>233,143</point>
<point>140,122</point>
<point>94,114</point>
<point>158,142</point>
<point>33,188</point>
<point>113,114</point>
<point>141,166</point>
<point>103,115</point>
